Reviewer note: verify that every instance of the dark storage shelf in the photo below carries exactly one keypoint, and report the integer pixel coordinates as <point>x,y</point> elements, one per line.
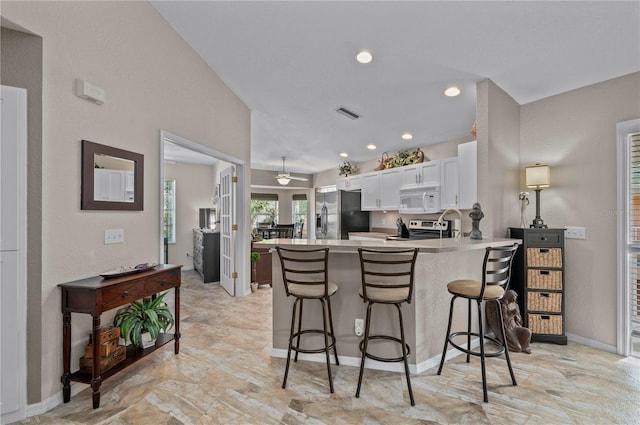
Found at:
<point>133,355</point>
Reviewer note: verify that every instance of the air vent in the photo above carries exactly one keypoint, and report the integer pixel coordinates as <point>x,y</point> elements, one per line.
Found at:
<point>347,113</point>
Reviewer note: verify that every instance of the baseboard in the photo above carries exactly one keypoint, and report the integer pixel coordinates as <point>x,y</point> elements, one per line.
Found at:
<point>592,343</point>
<point>53,401</point>
<point>374,364</point>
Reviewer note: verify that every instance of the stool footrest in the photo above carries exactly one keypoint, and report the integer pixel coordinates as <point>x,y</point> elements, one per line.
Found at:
<point>332,341</point>
<point>477,353</point>
<point>385,359</point>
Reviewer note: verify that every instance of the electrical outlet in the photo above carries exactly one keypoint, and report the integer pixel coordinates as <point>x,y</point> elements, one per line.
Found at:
<point>359,327</point>
<point>113,236</point>
<point>571,232</point>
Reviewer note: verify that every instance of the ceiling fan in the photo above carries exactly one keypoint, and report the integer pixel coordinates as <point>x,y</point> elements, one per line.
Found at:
<point>284,178</point>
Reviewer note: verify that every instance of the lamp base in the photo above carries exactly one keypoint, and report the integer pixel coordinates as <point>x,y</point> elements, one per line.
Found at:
<point>538,224</point>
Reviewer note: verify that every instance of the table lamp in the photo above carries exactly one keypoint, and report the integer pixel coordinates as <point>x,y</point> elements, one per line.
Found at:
<point>538,177</point>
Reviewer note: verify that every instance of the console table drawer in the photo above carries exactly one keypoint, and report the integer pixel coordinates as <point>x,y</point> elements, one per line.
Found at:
<point>122,294</point>
<point>161,282</point>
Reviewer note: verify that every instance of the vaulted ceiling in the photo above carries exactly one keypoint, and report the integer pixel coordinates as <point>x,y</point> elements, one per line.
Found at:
<point>293,63</point>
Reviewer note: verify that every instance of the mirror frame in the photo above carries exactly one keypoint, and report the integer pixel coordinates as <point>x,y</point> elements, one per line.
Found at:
<point>87,201</point>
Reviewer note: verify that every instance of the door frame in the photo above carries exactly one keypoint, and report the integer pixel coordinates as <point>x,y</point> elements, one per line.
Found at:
<point>623,129</point>
<point>242,286</point>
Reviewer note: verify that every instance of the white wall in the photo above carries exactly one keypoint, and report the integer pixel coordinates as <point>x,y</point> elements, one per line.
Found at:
<point>575,133</point>
<point>194,190</point>
<point>153,80</point>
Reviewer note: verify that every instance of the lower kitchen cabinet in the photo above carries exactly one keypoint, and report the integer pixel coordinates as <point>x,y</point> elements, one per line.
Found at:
<point>538,278</point>
<point>263,266</point>
<point>206,254</point>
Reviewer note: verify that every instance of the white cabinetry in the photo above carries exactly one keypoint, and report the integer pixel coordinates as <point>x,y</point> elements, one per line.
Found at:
<point>449,183</point>
<point>380,190</point>
<point>349,183</point>
<point>419,175</point>
<point>467,174</point>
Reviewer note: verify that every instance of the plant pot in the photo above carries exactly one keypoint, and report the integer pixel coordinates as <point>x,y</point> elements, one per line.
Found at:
<point>146,341</point>
<point>254,286</point>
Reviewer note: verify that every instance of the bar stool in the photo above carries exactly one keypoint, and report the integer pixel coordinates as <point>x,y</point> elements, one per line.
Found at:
<point>496,274</point>
<point>387,278</point>
<point>304,273</point>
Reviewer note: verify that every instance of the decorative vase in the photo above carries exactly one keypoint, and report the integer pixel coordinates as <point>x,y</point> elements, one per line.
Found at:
<point>146,341</point>
<point>254,286</point>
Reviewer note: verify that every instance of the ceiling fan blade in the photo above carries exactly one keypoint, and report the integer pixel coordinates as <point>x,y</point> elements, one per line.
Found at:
<point>304,179</point>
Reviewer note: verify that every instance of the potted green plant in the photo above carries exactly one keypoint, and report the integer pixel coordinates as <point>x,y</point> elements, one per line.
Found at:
<point>255,257</point>
<point>150,316</point>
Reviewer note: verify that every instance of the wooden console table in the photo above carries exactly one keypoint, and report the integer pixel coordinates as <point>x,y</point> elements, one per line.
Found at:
<point>96,295</point>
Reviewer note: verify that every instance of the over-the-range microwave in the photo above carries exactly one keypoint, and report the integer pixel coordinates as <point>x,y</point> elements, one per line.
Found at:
<point>419,199</point>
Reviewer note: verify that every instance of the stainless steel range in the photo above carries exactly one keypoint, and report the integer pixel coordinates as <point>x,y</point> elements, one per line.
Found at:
<point>429,229</point>
<point>426,229</point>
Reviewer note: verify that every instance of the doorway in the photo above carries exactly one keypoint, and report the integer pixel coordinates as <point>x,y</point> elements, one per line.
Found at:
<point>237,283</point>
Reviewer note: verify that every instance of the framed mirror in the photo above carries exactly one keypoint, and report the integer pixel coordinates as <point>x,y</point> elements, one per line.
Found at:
<point>112,178</point>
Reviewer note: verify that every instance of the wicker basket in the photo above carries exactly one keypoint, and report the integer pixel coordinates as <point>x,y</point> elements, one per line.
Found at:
<point>544,257</point>
<point>545,324</point>
<point>544,301</point>
<point>544,279</point>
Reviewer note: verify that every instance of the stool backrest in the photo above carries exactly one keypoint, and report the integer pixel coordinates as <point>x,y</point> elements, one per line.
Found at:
<point>304,267</point>
<point>388,269</point>
<point>496,269</point>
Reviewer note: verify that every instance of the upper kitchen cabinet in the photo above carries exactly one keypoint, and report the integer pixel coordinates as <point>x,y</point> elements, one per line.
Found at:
<point>423,174</point>
<point>467,174</point>
<point>349,183</point>
<point>449,179</point>
<point>380,190</point>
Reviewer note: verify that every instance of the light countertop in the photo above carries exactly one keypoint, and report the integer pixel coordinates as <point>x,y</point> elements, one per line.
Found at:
<point>425,245</point>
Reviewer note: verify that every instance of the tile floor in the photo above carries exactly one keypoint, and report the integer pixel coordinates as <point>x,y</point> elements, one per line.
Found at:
<point>224,375</point>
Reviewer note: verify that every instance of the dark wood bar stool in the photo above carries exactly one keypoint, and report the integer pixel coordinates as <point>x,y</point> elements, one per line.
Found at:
<point>305,276</point>
<point>387,278</point>
<point>496,274</point>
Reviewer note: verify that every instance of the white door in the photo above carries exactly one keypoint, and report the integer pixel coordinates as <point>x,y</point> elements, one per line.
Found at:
<point>13,305</point>
<point>228,273</point>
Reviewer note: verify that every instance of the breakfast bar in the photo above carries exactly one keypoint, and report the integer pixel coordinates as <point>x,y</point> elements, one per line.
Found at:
<point>425,318</point>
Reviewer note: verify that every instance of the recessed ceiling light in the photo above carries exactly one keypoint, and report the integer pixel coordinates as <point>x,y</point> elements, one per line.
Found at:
<point>407,136</point>
<point>371,147</point>
<point>344,154</point>
<point>452,91</point>
<point>364,57</point>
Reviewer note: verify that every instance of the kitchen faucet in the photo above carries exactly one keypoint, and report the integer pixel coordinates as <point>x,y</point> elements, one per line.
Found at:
<point>456,233</point>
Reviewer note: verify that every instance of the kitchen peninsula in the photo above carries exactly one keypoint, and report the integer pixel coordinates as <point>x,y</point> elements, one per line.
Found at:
<point>425,319</point>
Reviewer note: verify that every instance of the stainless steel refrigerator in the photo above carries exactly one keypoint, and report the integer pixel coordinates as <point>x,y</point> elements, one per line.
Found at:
<point>338,213</point>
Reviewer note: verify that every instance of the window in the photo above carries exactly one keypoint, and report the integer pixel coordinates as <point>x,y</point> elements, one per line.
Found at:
<point>299,213</point>
<point>633,238</point>
<point>264,209</point>
<point>169,211</point>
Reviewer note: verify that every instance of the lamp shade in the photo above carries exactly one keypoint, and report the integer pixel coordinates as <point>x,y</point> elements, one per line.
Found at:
<point>283,180</point>
<point>538,176</point>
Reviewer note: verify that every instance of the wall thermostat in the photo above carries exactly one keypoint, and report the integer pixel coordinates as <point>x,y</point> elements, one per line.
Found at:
<point>88,91</point>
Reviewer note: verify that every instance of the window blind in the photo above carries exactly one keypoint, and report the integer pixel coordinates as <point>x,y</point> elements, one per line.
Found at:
<point>264,196</point>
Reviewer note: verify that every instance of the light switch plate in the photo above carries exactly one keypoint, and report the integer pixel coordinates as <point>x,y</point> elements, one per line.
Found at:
<point>571,232</point>
<point>113,236</point>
